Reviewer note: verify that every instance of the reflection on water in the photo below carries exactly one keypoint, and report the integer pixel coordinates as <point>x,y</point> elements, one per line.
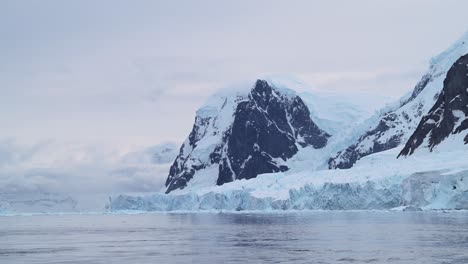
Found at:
<point>303,237</point>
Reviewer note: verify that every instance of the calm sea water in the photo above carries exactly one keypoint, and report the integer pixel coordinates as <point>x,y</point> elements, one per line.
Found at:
<point>304,237</point>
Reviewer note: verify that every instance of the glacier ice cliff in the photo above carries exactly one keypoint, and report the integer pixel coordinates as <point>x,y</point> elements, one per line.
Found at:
<point>429,190</point>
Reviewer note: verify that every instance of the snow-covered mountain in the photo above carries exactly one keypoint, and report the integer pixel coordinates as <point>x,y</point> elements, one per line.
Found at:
<point>396,123</point>
<point>448,118</point>
<point>328,133</point>
<point>238,136</point>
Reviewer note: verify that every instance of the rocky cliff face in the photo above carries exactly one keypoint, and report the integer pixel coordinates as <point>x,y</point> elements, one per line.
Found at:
<point>448,116</point>
<point>242,136</point>
<point>394,126</point>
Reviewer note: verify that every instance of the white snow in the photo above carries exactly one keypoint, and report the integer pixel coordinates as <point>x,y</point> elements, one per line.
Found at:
<point>331,111</point>
<point>460,116</point>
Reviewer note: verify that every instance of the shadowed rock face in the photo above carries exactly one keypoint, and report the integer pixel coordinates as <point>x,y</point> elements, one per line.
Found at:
<point>268,127</point>
<point>449,113</point>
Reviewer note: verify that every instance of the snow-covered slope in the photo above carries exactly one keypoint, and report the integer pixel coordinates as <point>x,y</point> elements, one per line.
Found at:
<point>334,112</point>
<point>397,122</point>
<point>447,121</point>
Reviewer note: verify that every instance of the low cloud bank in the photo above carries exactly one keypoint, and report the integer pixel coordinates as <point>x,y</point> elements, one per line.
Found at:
<point>82,170</point>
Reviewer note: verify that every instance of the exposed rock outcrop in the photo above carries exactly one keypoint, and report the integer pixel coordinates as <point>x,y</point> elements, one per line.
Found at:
<point>449,114</point>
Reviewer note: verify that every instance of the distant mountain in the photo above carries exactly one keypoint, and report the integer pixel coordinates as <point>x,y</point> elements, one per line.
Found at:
<point>36,202</point>
<point>448,117</point>
<point>240,135</point>
<point>397,123</point>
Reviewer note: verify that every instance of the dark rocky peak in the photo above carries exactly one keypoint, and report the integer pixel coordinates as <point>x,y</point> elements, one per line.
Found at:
<point>265,128</point>
<point>448,116</point>
<point>262,93</point>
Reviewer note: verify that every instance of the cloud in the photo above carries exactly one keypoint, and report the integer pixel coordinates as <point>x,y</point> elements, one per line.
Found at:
<point>78,169</point>
<point>391,83</point>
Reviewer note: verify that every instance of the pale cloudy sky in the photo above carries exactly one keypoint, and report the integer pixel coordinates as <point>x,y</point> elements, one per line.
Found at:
<point>134,72</point>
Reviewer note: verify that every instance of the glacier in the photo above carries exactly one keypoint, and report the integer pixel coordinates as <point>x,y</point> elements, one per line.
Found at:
<point>428,181</point>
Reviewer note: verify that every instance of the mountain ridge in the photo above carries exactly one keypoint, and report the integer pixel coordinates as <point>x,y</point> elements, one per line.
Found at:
<point>396,124</point>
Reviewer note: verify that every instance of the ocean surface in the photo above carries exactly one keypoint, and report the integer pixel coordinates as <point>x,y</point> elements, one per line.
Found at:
<point>294,237</point>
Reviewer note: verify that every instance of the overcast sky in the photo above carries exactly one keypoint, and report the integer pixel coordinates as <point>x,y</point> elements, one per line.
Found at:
<point>134,72</point>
